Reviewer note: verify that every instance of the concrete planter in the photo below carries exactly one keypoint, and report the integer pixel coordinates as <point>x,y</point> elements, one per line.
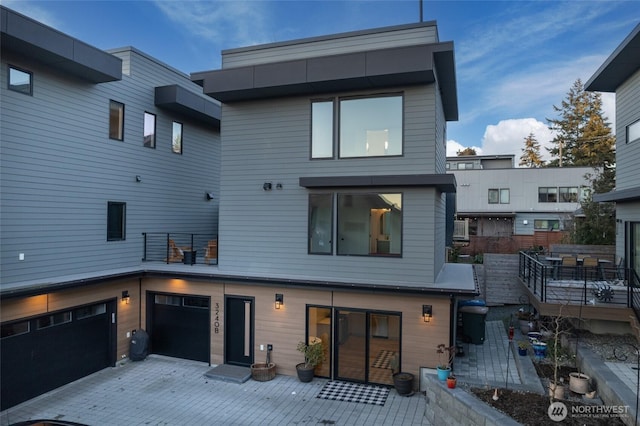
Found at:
<point>579,383</point>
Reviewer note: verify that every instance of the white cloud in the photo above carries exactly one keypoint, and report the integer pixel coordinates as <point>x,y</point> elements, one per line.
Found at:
<point>507,137</point>
<point>453,147</point>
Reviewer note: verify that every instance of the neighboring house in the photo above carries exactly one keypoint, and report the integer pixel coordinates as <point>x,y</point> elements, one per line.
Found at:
<point>95,149</point>
<point>496,199</point>
<point>620,74</point>
<point>329,233</point>
<point>333,191</point>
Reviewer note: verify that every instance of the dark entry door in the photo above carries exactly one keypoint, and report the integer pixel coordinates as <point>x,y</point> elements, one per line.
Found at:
<point>238,335</point>
<point>43,353</point>
<point>180,326</point>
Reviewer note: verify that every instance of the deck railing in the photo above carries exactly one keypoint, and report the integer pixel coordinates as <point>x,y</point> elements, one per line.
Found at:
<point>606,283</point>
<point>191,248</point>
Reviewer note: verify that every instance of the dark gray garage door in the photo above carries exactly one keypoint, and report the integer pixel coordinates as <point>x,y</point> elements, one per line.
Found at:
<point>46,352</point>
<point>180,326</point>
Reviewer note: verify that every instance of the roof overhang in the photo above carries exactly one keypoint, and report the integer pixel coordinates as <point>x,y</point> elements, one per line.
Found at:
<point>32,39</point>
<point>375,69</point>
<point>619,66</point>
<point>619,196</point>
<point>178,99</point>
<point>442,182</point>
<point>486,214</point>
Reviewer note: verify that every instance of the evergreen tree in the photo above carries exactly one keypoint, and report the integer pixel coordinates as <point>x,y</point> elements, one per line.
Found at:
<point>531,153</point>
<point>466,151</point>
<point>598,225</point>
<point>582,135</point>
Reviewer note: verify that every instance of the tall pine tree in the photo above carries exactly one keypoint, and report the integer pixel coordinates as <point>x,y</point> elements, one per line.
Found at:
<point>531,153</point>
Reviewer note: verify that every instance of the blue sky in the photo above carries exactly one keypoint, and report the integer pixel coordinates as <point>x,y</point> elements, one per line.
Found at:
<point>514,59</point>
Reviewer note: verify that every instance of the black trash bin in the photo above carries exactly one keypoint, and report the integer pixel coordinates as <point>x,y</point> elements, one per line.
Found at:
<point>139,347</point>
<point>474,322</point>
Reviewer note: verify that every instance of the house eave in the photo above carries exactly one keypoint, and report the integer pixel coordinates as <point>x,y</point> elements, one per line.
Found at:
<point>29,38</point>
<point>178,99</point>
<point>442,182</point>
<point>619,196</point>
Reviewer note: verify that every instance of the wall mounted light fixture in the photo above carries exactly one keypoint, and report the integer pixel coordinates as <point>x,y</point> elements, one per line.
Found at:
<point>208,196</point>
<point>125,296</point>
<point>427,313</point>
<point>267,186</point>
<point>279,300</point>
<point>278,185</point>
<point>138,178</point>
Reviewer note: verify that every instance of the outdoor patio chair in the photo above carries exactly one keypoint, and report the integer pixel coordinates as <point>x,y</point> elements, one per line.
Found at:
<point>591,268</point>
<point>175,253</point>
<point>211,251</point>
<point>569,267</point>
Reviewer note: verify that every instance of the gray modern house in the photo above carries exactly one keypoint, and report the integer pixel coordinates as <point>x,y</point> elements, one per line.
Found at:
<point>620,74</point>
<point>316,212</point>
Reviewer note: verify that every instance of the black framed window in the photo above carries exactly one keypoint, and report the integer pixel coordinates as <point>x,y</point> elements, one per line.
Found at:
<point>116,223</point>
<point>499,196</point>
<point>116,120</point>
<point>568,194</point>
<point>149,131</point>
<point>20,80</point>
<point>633,132</point>
<point>547,194</point>
<point>320,223</point>
<point>549,225</point>
<point>176,138</point>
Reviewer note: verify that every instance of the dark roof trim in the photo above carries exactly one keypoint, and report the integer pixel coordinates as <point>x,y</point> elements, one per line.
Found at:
<point>177,98</point>
<point>486,214</point>
<point>624,195</point>
<point>443,182</point>
<point>325,285</point>
<point>373,69</point>
<point>619,66</point>
<point>35,40</point>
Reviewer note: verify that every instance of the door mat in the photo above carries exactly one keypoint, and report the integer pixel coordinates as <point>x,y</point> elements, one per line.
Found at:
<point>383,359</point>
<point>354,392</point>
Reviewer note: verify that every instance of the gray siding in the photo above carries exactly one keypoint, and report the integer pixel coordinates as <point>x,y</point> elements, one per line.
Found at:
<point>627,112</point>
<point>59,168</point>
<point>333,45</point>
<point>265,232</point>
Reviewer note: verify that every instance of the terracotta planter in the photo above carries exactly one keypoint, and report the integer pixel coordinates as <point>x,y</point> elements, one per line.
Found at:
<point>451,382</point>
<point>579,383</point>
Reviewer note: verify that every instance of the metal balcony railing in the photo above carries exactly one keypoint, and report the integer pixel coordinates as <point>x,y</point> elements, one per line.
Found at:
<point>177,247</point>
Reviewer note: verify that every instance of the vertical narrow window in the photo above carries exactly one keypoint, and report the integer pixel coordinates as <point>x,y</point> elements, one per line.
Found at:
<point>176,138</point>
<point>149,136</point>
<point>20,81</point>
<point>116,120</point>
<point>322,129</point>
<point>504,196</point>
<point>320,223</point>
<point>116,223</point>
<point>493,196</point>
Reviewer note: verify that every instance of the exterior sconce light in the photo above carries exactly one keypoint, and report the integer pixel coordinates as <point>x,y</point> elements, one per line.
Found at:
<point>525,222</point>
<point>125,296</point>
<point>279,300</point>
<point>138,178</point>
<point>266,186</point>
<point>208,196</point>
<point>278,186</point>
<point>427,313</point>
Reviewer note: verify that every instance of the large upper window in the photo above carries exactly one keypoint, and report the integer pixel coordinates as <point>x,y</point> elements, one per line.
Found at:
<point>20,81</point>
<point>116,120</point>
<point>547,194</point>
<point>568,194</point>
<point>176,138</point>
<point>499,196</point>
<point>116,224</point>
<point>367,127</point>
<point>369,224</point>
<point>149,135</point>
<point>320,223</point>
<point>633,132</point>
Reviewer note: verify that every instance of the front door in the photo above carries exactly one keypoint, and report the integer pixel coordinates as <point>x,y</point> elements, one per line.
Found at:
<point>238,335</point>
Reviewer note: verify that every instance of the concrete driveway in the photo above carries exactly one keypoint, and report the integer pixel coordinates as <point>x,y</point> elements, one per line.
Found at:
<point>169,391</point>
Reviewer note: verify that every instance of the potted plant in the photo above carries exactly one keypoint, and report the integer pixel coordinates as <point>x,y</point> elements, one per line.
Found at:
<point>402,381</point>
<point>451,381</point>
<point>313,356</point>
<point>526,320</point>
<point>445,358</point>
<point>522,348</point>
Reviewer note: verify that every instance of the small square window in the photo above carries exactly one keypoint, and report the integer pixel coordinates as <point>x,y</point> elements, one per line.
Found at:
<point>176,138</point>
<point>116,223</point>
<point>116,120</point>
<point>149,135</point>
<point>20,81</point>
